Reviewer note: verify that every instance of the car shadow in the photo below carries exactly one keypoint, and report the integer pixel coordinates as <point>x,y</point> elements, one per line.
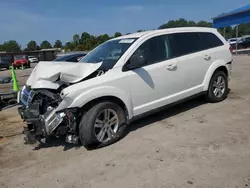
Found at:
<point>165,113</point>
<point>57,142</point>
<point>144,75</point>
<point>135,125</point>
<point>140,123</point>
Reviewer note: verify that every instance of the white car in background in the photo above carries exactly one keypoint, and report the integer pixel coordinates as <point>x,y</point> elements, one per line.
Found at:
<point>33,59</point>
<point>122,80</point>
<point>232,41</point>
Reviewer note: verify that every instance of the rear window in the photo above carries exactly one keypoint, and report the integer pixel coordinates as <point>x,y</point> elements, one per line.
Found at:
<point>209,40</point>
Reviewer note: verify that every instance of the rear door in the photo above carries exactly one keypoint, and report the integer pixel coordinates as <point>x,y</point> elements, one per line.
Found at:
<point>213,46</point>
<point>193,62</point>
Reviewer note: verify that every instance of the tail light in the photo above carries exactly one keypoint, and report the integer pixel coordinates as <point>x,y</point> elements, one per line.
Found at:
<point>231,49</point>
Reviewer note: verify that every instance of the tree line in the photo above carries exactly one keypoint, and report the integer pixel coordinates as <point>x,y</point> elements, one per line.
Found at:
<point>86,41</point>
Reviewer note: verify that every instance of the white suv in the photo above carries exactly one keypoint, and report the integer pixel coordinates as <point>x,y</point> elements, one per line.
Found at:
<point>121,80</point>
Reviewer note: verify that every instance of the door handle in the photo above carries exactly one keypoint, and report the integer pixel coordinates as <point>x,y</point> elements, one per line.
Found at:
<point>207,57</point>
<point>172,66</point>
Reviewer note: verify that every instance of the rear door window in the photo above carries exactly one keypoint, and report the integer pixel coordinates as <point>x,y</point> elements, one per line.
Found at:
<point>184,43</point>
<point>209,40</point>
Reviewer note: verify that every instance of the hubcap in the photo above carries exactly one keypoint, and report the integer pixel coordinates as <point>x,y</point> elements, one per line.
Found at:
<point>219,86</point>
<point>106,125</point>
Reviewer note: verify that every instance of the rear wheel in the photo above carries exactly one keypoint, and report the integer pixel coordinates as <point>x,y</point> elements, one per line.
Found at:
<point>101,125</point>
<point>218,87</point>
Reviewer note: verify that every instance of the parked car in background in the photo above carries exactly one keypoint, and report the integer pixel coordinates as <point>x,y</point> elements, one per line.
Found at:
<point>6,61</point>
<point>21,60</point>
<point>76,57</point>
<point>232,41</point>
<point>244,43</point>
<point>33,59</point>
<point>124,79</point>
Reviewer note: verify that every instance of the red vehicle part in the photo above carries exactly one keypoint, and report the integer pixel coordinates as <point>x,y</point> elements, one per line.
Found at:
<point>21,60</point>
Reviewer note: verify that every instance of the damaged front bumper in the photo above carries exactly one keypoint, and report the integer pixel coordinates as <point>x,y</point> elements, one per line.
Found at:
<point>41,125</point>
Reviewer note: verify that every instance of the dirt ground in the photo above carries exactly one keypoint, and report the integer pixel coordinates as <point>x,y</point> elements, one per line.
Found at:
<point>191,145</point>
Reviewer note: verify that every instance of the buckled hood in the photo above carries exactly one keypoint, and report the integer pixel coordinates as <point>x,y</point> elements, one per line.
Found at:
<point>50,72</point>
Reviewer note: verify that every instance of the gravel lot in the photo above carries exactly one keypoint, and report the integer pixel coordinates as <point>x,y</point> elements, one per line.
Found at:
<point>191,145</point>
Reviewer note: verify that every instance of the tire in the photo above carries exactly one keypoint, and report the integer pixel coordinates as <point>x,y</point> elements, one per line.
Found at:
<point>28,65</point>
<point>88,132</point>
<point>211,93</point>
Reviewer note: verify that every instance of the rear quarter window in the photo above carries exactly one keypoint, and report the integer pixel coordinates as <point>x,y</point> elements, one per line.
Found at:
<point>209,40</point>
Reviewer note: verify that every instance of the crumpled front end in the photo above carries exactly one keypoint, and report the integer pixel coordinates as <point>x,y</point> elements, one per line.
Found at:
<point>41,99</point>
<point>39,110</point>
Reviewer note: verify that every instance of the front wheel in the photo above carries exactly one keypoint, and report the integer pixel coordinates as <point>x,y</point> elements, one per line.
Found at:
<point>101,125</point>
<point>218,87</point>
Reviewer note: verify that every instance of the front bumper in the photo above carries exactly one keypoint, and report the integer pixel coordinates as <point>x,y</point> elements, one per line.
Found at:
<point>38,124</point>
<point>42,124</point>
<point>35,125</point>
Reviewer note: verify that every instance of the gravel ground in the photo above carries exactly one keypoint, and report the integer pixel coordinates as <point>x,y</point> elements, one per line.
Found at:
<point>190,145</point>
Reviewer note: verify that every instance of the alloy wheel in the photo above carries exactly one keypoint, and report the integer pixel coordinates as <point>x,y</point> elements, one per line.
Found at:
<point>106,125</point>
<point>219,87</point>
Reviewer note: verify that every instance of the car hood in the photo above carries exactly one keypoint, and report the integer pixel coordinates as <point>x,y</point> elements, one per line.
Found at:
<point>50,71</point>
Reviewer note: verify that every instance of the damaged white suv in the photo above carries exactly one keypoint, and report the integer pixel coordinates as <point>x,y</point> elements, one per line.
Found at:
<point>92,101</point>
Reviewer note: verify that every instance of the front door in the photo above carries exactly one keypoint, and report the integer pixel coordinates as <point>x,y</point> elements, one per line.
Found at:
<point>153,84</point>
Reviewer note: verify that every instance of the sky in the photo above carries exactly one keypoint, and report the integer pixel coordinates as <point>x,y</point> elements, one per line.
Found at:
<point>25,20</point>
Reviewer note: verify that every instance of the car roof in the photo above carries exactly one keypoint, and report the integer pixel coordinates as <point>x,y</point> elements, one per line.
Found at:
<point>170,30</point>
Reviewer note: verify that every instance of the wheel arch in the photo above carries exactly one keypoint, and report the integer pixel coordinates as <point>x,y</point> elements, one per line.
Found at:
<point>217,66</point>
<point>82,99</point>
<point>109,98</point>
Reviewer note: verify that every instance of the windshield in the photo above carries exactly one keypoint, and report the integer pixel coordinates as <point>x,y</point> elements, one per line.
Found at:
<point>70,58</point>
<point>20,57</point>
<point>63,58</point>
<point>110,51</point>
<point>5,57</point>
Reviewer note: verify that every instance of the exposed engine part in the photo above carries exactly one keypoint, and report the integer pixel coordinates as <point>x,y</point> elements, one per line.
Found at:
<point>52,119</point>
<point>100,72</point>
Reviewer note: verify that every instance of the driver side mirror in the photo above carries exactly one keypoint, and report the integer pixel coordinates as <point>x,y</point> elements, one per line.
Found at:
<point>136,61</point>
